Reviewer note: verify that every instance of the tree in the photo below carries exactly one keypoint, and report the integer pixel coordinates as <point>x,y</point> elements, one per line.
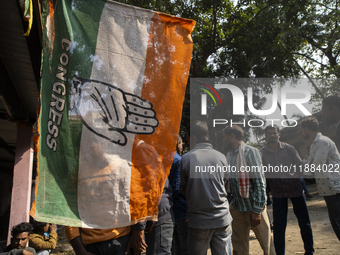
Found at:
<point>321,34</point>
<point>259,39</point>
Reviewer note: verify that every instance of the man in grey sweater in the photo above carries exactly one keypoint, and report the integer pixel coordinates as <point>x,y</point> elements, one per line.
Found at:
<point>203,173</point>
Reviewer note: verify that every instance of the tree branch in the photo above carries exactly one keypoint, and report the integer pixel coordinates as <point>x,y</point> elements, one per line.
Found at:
<point>306,56</point>
<point>267,6</point>
<point>200,63</point>
<point>213,43</point>
<point>314,85</point>
<point>327,51</point>
<point>314,44</point>
<point>326,7</point>
<point>214,24</point>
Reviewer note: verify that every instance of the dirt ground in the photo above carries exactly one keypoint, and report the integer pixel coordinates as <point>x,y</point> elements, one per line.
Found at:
<point>325,241</point>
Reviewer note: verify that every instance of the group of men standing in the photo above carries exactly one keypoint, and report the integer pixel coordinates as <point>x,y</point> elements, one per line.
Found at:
<point>230,203</point>
<point>217,209</point>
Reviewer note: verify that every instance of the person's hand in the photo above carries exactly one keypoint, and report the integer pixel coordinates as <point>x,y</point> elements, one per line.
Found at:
<point>138,243</point>
<point>255,219</point>
<point>26,252</point>
<point>78,247</point>
<point>53,227</point>
<point>110,112</point>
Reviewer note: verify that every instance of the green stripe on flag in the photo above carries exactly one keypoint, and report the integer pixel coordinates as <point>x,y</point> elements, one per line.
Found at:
<point>76,28</point>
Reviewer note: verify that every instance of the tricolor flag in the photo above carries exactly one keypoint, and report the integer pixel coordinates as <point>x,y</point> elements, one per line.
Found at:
<point>112,89</point>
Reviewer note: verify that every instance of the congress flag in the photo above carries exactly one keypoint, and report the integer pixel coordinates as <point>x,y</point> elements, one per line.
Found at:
<point>112,90</point>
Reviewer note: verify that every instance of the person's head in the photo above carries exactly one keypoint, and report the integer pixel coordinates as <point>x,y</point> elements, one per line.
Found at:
<point>331,108</point>
<point>179,145</point>
<point>40,227</point>
<point>20,235</point>
<point>309,127</point>
<point>232,135</point>
<point>272,134</point>
<point>199,133</point>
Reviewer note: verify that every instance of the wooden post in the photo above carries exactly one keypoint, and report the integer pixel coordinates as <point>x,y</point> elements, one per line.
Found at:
<point>22,179</point>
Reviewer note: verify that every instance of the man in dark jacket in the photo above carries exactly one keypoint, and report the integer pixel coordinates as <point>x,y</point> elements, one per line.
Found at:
<point>180,208</point>
<point>284,186</point>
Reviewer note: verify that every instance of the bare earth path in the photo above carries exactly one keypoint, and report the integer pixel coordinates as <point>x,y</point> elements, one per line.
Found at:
<point>325,241</point>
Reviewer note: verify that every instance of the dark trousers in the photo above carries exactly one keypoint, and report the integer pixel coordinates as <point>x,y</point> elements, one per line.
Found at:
<point>303,184</point>
<point>109,247</point>
<point>180,237</point>
<point>159,240</point>
<point>280,212</point>
<point>333,206</point>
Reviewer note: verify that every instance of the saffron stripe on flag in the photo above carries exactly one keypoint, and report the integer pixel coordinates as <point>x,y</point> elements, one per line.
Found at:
<point>165,80</point>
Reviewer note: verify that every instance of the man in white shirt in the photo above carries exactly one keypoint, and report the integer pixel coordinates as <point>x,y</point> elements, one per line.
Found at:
<point>324,161</point>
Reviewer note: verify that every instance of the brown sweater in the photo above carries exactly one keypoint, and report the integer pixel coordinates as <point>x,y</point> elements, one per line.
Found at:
<point>41,242</point>
<point>89,236</point>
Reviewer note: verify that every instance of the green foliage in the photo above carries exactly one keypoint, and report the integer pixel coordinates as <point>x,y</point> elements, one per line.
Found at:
<point>259,39</point>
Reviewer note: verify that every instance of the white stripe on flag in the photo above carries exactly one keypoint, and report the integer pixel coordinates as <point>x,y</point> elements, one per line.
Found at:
<point>119,61</point>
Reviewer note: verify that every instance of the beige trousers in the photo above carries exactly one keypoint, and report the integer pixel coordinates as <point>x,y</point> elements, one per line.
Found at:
<point>241,228</point>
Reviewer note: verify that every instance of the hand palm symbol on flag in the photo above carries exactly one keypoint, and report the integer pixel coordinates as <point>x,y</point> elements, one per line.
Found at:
<point>110,112</point>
